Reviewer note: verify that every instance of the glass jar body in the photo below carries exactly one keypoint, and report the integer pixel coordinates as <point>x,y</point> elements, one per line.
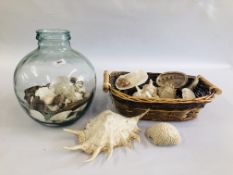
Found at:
<point>54,84</point>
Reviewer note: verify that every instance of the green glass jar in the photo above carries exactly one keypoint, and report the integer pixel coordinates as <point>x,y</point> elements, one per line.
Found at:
<point>54,84</point>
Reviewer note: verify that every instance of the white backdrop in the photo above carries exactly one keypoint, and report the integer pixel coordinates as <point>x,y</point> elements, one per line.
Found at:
<point>194,36</point>
<point>108,29</point>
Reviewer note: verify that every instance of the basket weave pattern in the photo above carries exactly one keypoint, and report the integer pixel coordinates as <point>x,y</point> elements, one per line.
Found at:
<point>160,109</point>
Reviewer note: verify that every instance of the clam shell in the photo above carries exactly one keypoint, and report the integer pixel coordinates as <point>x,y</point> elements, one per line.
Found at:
<point>177,79</point>
<point>131,80</point>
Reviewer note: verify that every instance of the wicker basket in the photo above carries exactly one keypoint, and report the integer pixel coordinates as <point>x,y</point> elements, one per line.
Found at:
<point>161,109</point>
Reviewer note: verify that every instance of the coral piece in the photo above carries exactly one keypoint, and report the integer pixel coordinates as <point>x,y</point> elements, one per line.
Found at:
<point>163,134</point>
<point>131,80</point>
<point>105,132</point>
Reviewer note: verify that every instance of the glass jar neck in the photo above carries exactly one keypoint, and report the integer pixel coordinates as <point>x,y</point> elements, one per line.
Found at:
<point>53,44</point>
<point>53,39</point>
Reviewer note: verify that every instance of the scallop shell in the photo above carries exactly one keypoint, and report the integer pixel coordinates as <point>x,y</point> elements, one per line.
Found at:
<point>105,132</point>
<point>131,80</point>
<point>163,134</point>
<point>188,94</point>
<point>177,79</point>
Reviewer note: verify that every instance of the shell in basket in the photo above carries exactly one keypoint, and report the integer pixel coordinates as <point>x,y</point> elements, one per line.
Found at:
<point>131,80</point>
<point>167,91</point>
<point>175,79</point>
<point>188,94</point>
<point>148,91</point>
<point>161,109</point>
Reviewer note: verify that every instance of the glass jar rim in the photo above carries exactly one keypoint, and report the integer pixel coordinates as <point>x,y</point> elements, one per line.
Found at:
<point>52,34</point>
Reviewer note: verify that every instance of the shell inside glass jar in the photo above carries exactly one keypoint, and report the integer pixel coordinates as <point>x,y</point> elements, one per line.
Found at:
<point>58,101</point>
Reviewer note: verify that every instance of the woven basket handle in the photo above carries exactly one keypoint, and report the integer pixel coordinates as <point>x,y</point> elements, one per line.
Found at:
<point>106,84</point>
<point>212,86</point>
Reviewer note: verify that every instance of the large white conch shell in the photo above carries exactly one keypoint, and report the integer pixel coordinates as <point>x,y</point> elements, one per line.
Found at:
<point>106,131</point>
<point>131,80</point>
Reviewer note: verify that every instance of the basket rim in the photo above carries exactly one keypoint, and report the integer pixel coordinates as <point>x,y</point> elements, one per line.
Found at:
<point>207,98</point>
<point>204,99</point>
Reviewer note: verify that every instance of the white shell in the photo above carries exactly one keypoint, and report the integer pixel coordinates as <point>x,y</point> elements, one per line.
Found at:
<point>53,107</point>
<point>60,117</point>
<point>131,80</point>
<point>188,94</point>
<point>80,108</point>
<point>106,131</point>
<point>167,92</point>
<point>45,94</point>
<point>148,91</point>
<point>150,88</point>
<point>37,115</point>
<point>176,79</point>
<point>163,134</point>
<point>142,93</point>
<point>78,96</point>
<point>63,86</point>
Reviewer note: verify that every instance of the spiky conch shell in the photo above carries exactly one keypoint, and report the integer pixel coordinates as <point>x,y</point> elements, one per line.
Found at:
<point>105,132</point>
